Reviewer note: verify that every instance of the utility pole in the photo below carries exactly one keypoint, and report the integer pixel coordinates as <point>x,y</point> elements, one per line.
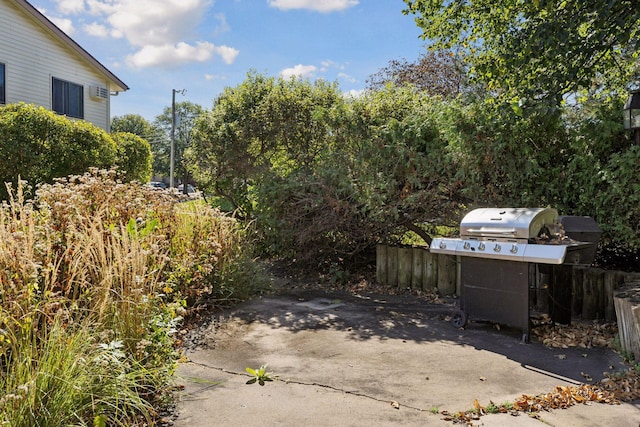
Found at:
<point>173,133</point>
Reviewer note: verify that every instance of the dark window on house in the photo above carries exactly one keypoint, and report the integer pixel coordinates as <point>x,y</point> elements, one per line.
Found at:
<point>3,99</point>
<point>68,98</point>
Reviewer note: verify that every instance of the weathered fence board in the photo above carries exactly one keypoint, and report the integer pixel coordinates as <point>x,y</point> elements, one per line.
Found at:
<point>405,265</point>
<point>392,266</point>
<point>612,282</point>
<point>577,291</point>
<point>381,264</point>
<point>627,305</point>
<point>593,295</point>
<point>417,272</point>
<point>447,273</point>
<point>430,271</point>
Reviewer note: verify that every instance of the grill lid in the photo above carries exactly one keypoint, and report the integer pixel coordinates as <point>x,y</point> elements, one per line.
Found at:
<point>506,223</point>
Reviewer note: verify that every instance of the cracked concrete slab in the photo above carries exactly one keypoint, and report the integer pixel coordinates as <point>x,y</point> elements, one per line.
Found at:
<point>345,360</point>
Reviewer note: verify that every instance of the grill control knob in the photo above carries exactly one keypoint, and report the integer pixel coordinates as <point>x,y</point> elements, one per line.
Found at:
<point>514,249</point>
<point>481,247</point>
<point>497,248</point>
<point>467,245</point>
<point>443,245</point>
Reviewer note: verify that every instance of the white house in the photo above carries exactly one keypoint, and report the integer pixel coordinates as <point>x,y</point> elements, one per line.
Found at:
<point>40,64</point>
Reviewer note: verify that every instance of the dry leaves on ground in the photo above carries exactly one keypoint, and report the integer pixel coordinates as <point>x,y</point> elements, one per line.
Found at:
<point>561,397</point>
<point>613,389</point>
<point>584,334</point>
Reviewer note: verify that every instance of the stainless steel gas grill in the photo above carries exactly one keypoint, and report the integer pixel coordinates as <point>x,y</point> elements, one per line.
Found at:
<point>498,247</point>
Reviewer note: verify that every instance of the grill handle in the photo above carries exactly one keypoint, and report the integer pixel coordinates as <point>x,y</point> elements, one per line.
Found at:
<point>492,231</point>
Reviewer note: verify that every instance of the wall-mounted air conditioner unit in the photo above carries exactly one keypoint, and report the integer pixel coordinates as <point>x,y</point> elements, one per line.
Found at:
<point>98,92</point>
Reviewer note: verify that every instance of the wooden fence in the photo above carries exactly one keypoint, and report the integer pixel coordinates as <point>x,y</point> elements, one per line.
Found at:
<point>592,289</point>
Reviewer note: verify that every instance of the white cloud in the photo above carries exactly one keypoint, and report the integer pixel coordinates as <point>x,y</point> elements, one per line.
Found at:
<point>299,71</point>
<point>215,77</point>
<point>64,24</point>
<point>70,6</point>
<point>353,93</point>
<point>153,22</point>
<point>347,77</point>
<point>163,31</point>
<point>228,54</point>
<point>222,26</point>
<point>315,5</point>
<point>97,30</point>
<point>169,55</point>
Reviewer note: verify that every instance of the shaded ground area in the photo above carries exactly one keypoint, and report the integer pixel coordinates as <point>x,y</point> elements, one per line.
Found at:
<point>348,359</point>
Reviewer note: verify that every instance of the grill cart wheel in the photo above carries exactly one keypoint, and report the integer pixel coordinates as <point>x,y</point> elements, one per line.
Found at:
<point>459,319</point>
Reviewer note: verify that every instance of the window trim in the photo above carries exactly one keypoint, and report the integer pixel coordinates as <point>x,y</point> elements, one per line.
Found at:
<point>69,90</point>
<point>3,83</point>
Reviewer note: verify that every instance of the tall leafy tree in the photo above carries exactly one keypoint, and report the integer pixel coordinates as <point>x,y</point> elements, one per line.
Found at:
<point>186,114</point>
<point>434,72</point>
<point>132,123</point>
<point>538,48</point>
<point>133,156</point>
<point>263,128</point>
<point>156,138</point>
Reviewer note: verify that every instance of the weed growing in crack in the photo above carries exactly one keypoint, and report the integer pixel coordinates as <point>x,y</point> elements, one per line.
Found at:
<point>260,375</point>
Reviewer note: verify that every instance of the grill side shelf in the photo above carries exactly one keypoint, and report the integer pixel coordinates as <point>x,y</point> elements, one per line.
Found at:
<point>441,245</point>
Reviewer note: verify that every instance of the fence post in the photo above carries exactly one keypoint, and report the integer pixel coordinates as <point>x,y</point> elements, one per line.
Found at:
<point>627,304</point>
<point>447,272</point>
<point>392,265</point>
<point>593,302</point>
<point>430,274</point>
<point>405,264</point>
<point>417,270</point>
<point>612,281</point>
<point>381,264</point>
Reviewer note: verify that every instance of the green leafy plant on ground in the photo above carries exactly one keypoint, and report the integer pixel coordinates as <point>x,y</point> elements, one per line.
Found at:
<point>260,375</point>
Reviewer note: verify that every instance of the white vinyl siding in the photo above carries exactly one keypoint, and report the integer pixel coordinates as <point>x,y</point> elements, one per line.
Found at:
<point>33,57</point>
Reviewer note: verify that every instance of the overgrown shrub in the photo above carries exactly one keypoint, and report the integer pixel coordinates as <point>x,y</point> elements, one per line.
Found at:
<point>38,145</point>
<point>331,180</point>
<point>94,278</point>
<point>134,157</point>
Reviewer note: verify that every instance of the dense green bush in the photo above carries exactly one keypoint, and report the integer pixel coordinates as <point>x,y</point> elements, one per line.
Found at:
<point>344,173</point>
<point>134,156</point>
<point>38,145</point>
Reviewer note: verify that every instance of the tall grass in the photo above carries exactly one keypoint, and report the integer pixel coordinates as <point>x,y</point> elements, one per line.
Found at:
<point>94,278</point>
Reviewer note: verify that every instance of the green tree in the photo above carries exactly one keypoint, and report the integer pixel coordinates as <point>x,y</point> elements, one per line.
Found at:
<point>434,72</point>
<point>132,123</point>
<point>186,115</point>
<point>326,178</point>
<point>134,156</point>
<point>264,127</point>
<point>157,138</point>
<point>538,48</point>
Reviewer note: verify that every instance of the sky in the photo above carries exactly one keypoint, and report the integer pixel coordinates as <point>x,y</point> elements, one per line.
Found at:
<point>203,46</point>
